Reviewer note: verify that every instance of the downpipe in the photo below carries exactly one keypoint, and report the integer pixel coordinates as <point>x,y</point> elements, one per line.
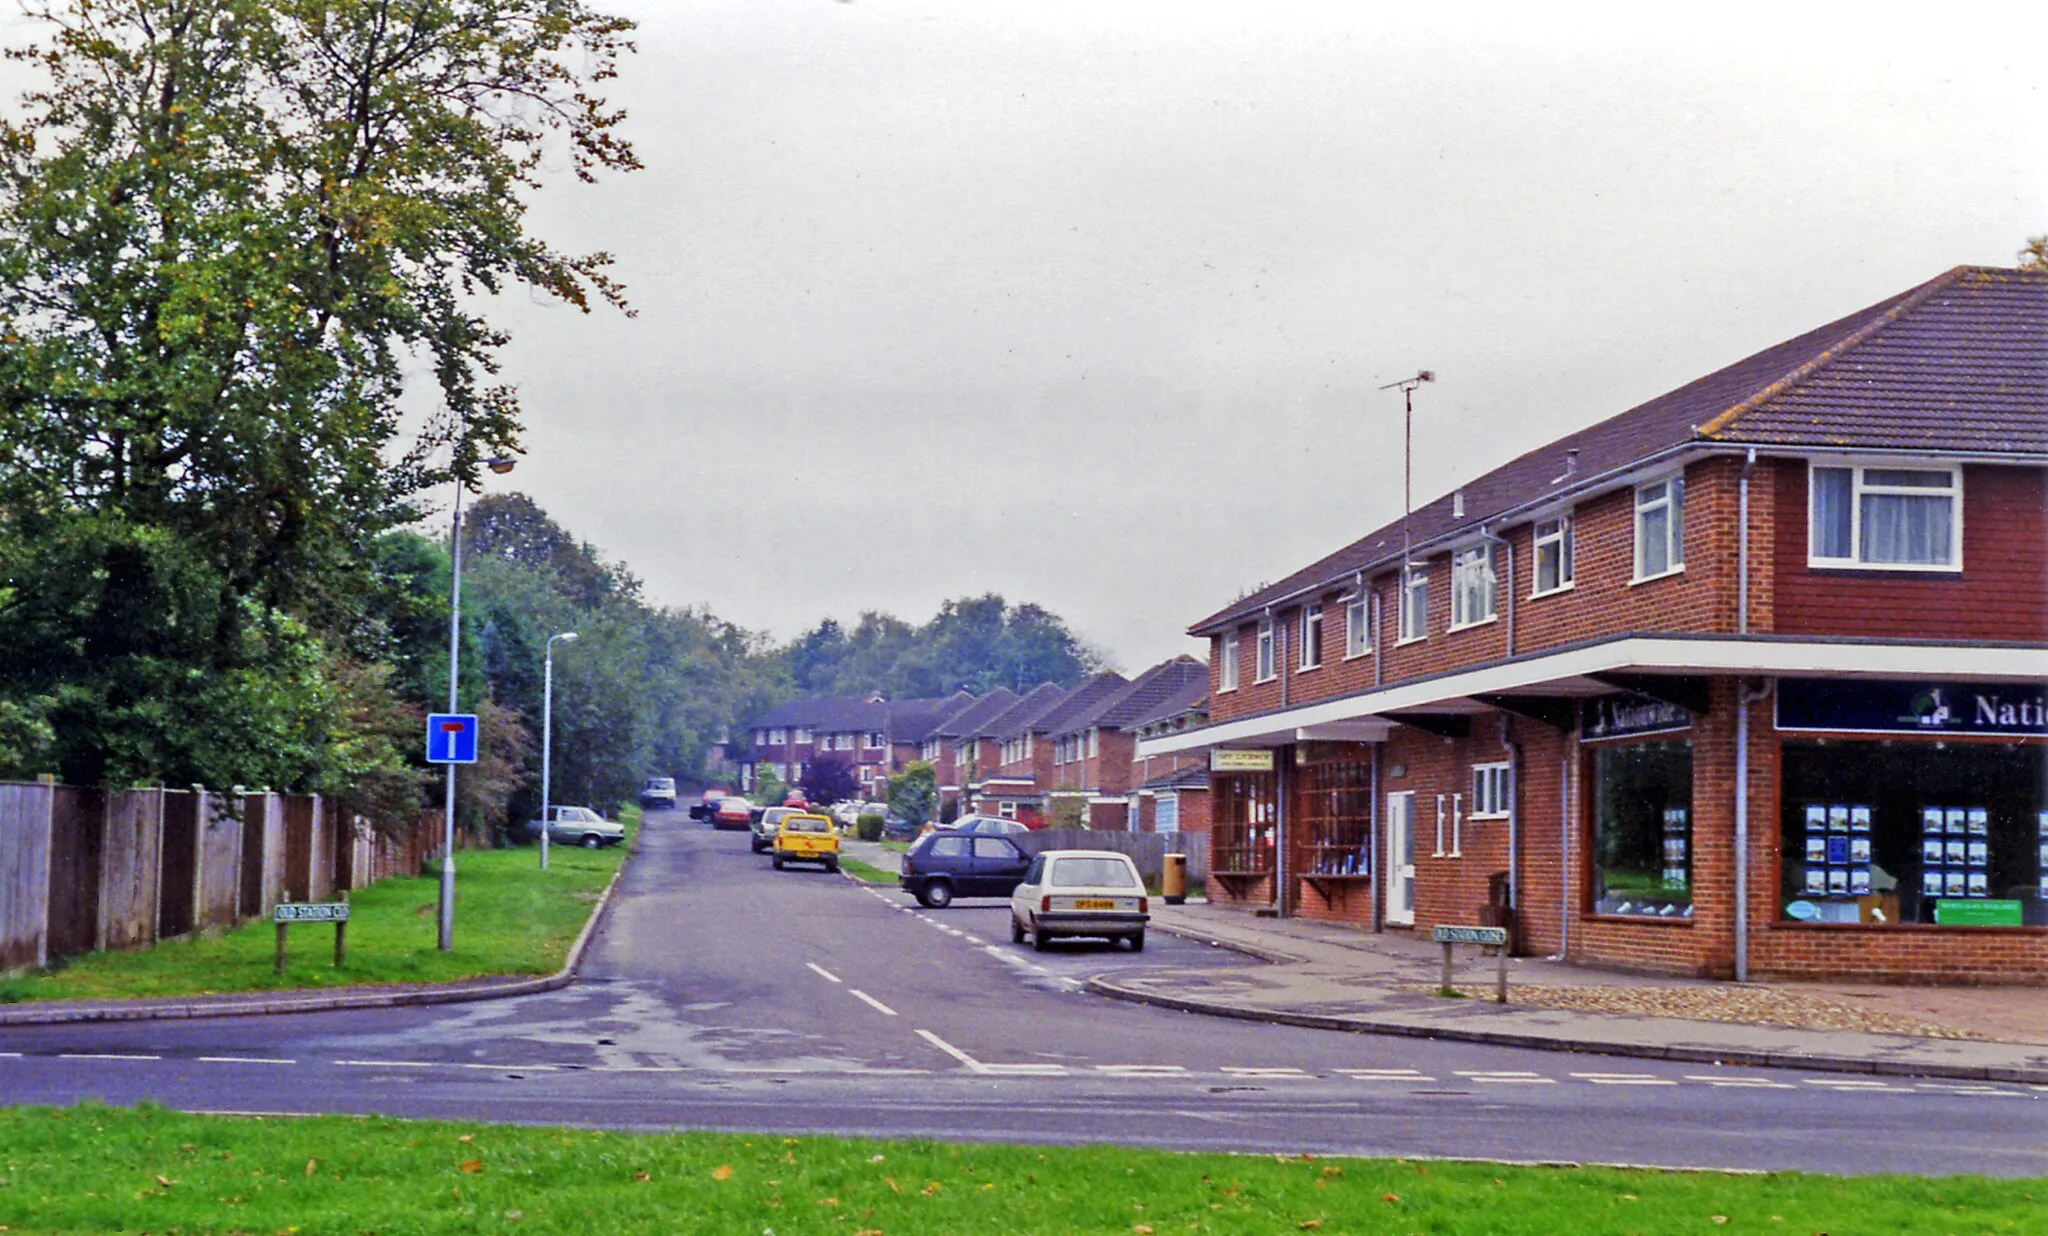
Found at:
<point>1743,699</point>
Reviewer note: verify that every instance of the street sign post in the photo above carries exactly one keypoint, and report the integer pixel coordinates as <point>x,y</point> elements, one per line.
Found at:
<point>1495,936</point>
<point>284,914</point>
<point>451,738</point>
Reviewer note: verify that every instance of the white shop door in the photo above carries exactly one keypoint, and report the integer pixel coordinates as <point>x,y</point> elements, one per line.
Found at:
<point>1401,858</point>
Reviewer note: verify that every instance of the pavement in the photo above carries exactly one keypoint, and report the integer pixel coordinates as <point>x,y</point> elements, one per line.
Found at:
<point>1340,977</point>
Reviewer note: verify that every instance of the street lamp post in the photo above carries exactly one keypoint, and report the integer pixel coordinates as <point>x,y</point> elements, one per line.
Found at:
<point>547,735</point>
<point>501,465</point>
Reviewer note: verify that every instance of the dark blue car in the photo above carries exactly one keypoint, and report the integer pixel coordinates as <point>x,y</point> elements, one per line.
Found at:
<point>943,865</point>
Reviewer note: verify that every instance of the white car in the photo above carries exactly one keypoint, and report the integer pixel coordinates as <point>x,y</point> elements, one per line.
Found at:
<point>578,826</point>
<point>1080,893</point>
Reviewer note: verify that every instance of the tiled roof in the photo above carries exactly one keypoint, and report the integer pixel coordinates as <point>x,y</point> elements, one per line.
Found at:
<point>969,719</point>
<point>824,712</point>
<point>1081,704</point>
<point>1019,717</point>
<point>1138,700</point>
<point>1196,778</point>
<point>1958,364</point>
<point>1189,698</point>
<point>914,720</point>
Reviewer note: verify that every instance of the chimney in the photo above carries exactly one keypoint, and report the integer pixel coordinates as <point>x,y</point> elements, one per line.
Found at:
<point>1458,504</point>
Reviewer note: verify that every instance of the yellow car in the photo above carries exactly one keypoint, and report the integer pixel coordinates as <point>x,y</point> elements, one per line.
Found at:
<point>807,838</point>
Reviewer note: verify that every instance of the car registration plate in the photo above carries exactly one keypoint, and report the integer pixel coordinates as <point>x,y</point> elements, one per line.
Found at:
<point>1094,903</point>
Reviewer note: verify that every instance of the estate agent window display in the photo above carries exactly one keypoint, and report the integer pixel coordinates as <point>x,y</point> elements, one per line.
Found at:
<point>1642,830</point>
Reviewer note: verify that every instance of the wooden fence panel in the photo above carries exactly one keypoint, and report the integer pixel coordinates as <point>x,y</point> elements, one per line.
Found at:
<point>249,898</point>
<point>78,821</point>
<point>25,874</point>
<point>320,856</point>
<point>1147,850</point>
<point>177,886</point>
<point>220,860</point>
<point>298,848</point>
<point>129,869</point>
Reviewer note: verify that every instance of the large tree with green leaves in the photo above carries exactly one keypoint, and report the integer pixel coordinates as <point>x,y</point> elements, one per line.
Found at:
<point>227,230</point>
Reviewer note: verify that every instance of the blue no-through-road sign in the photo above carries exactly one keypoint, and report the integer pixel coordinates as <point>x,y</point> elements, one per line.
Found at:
<point>451,738</point>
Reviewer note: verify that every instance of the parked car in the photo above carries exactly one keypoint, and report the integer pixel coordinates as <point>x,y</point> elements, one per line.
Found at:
<point>1080,893</point>
<point>940,866</point>
<point>896,828</point>
<point>706,807</point>
<point>847,812</point>
<point>733,813</point>
<point>765,824</point>
<point>806,837</point>
<point>988,825</point>
<point>578,826</point>
<point>658,792</point>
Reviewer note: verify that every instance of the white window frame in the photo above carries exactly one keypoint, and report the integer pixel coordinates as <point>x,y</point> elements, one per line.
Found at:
<point>778,738</point>
<point>1858,487</point>
<point>877,740</point>
<point>1357,629</point>
<point>1558,538</point>
<point>1226,663</point>
<point>801,735</point>
<point>1413,619</point>
<point>1267,665</point>
<point>1471,566</point>
<point>1490,790</point>
<point>1094,747</point>
<point>1311,635</point>
<point>1666,493</point>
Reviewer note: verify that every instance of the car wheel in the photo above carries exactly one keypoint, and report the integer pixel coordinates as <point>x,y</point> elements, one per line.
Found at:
<point>778,862</point>
<point>592,841</point>
<point>1039,940</point>
<point>937,895</point>
<point>759,848</point>
<point>1016,930</point>
<point>1138,941</point>
<point>832,866</point>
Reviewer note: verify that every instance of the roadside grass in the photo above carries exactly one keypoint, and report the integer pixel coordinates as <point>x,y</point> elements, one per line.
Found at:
<point>101,1168</point>
<point>898,846</point>
<point>511,918</point>
<point>866,873</point>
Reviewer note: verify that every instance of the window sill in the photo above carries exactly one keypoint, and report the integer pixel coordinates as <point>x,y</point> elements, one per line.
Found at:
<point>1950,928</point>
<point>1487,621</point>
<point>1651,579</point>
<point>1845,566</point>
<point>1307,669</point>
<point>1550,592</point>
<point>1649,920</point>
<point>1259,682</point>
<point>1490,815</point>
<point>1412,639</point>
<point>1358,656</point>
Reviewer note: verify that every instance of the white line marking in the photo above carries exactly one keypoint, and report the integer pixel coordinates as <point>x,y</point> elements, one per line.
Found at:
<point>1952,1089</point>
<point>1508,1078</point>
<point>1624,1079</point>
<point>1236,1071</point>
<point>822,972</point>
<point>515,1068</point>
<point>243,1060</point>
<point>84,1055</point>
<point>765,1068</point>
<point>386,1064</point>
<point>638,1068</point>
<point>871,1002</point>
<point>1026,1070</point>
<point>10,1055</point>
<point>972,939</point>
<point>950,1050</point>
<point>1140,1070</point>
<point>1848,1083</point>
<point>1745,1083</point>
<point>1386,1075</point>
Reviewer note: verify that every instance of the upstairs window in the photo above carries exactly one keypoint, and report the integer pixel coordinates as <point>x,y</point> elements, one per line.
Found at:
<point>1489,790</point>
<point>1886,517</point>
<point>876,739</point>
<point>1265,666</point>
<point>801,736</point>
<point>1357,636</point>
<point>1472,586</point>
<point>1226,663</point>
<point>1311,636</point>
<point>1553,568</point>
<point>778,738</point>
<point>1414,603</point>
<point>1660,525</point>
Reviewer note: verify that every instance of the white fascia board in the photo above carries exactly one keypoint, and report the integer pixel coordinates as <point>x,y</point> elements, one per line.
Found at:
<point>1763,658</point>
<point>1111,802</point>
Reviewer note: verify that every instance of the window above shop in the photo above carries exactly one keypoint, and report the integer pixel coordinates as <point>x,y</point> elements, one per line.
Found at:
<point>1226,662</point>
<point>1265,667</point>
<point>1311,636</point>
<point>1553,566</point>
<point>1357,636</point>
<point>1472,586</point>
<point>1885,516</point>
<point>1660,528</point>
<point>1414,619</point>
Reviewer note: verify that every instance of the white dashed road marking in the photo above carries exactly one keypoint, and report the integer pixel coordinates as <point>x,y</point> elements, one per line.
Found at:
<point>822,972</point>
<point>1741,1083</point>
<point>86,1055</point>
<point>1141,1070</point>
<point>1508,1077</point>
<point>1624,1079</point>
<point>386,1064</point>
<point>871,1002</point>
<point>949,1049</point>
<point>244,1060</point>
<point>1393,1075</point>
<point>1283,1074</point>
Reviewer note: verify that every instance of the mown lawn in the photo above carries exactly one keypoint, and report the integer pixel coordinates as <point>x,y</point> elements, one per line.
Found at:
<point>867,873</point>
<point>102,1168</point>
<point>510,918</point>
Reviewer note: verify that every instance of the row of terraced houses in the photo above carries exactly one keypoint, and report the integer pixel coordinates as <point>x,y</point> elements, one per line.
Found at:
<point>1014,755</point>
<point>1748,680</point>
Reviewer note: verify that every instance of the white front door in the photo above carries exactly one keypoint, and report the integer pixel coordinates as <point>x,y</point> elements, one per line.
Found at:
<point>1401,858</point>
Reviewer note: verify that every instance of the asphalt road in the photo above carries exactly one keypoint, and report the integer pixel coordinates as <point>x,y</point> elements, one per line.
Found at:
<point>724,995</point>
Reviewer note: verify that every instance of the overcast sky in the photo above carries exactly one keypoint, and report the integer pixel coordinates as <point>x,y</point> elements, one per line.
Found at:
<point>1086,303</point>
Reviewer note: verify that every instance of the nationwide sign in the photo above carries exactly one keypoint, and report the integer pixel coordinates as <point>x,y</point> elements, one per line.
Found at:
<point>1997,709</point>
<point>1616,716</point>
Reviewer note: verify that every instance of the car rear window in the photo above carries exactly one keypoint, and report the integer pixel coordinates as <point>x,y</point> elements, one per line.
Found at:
<point>1092,873</point>
<point>806,824</point>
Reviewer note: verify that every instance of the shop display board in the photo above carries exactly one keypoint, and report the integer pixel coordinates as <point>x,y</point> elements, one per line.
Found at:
<point>1837,853</point>
<point>1955,853</point>
<point>1677,843</point>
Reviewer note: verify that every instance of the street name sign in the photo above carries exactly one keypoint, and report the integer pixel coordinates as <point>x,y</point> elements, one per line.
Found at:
<point>1471,935</point>
<point>310,912</point>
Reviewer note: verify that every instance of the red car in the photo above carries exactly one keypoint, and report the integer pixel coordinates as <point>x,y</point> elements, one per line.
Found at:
<point>733,813</point>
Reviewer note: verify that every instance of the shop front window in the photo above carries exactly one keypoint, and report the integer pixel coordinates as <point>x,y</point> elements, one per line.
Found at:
<point>1642,830</point>
<point>1247,815</point>
<point>1882,833</point>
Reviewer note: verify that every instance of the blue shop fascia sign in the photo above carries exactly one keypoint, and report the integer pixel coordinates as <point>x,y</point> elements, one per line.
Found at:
<point>1993,709</point>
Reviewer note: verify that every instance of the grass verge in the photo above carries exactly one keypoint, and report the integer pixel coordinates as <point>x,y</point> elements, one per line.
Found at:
<point>867,873</point>
<point>102,1168</point>
<point>511,918</point>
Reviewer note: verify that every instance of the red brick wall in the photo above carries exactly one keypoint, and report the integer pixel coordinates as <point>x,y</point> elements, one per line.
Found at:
<point>2000,594</point>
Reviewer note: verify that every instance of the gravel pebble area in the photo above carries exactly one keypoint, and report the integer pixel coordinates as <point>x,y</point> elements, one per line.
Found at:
<point>1751,1006</point>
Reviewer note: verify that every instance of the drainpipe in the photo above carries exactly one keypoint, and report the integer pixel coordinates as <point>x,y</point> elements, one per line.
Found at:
<point>1378,639</point>
<point>1514,751</point>
<point>1743,699</point>
<point>1741,551</point>
<point>1509,551</point>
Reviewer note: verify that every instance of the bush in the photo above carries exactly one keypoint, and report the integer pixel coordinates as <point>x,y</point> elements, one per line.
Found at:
<point>869,826</point>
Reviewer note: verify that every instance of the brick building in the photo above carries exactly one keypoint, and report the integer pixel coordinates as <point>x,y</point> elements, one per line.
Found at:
<point>1746,680</point>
